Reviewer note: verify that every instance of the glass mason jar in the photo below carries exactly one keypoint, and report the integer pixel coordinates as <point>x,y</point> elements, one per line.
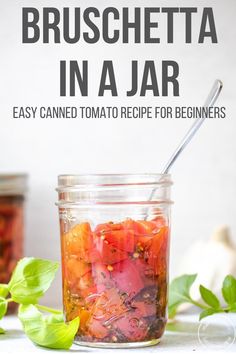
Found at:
<point>12,192</point>
<point>115,246</point>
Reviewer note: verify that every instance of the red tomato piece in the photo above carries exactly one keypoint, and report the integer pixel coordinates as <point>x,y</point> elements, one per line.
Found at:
<point>156,242</point>
<point>79,242</point>
<point>3,224</point>
<point>157,250</point>
<point>122,239</point>
<point>140,227</point>
<point>145,309</point>
<point>109,304</point>
<point>84,317</point>
<point>118,236</point>
<point>108,307</point>
<point>143,230</point>
<point>133,326</point>
<point>109,226</point>
<point>86,286</point>
<point>146,300</point>
<point>160,222</point>
<point>102,277</point>
<point>108,254</point>
<point>144,227</point>
<point>128,277</point>
<point>8,209</point>
<point>75,268</point>
<point>96,329</point>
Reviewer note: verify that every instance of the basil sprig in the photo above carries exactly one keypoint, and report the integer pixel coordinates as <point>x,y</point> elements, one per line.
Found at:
<point>49,331</point>
<point>30,280</point>
<point>179,293</point>
<point>33,276</point>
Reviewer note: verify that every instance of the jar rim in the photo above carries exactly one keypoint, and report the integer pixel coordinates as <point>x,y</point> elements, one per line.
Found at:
<point>103,180</point>
<point>113,189</point>
<point>13,184</point>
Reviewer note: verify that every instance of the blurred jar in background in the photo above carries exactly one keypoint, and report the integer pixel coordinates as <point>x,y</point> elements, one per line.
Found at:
<point>12,196</point>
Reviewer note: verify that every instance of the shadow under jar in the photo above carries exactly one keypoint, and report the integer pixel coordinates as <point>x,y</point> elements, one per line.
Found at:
<point>12,192</point>
<point>115,250</point>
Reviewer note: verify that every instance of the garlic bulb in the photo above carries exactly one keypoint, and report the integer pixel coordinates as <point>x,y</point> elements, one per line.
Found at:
<point>212,260</point>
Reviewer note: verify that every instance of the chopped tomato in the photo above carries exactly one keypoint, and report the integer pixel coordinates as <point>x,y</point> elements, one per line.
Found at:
<point>122,239</point>
<point>128,277</point>
<point>144,227</point>
<point>86,286</point>
<point>140,227</point>
<point>108,253</point>
<point>96,329</point>
<point>71,309</point>
<point>157,249</point>
<point>84,317</point>
<point>146,309</point>
<point>159,221</point>
<point>115,278</point>
<point>109,226</point>
<point>133,326</point>
<point>146,301</point>
<point>143,230</point>
<point>102,277</point>
<point>117,235</point>
<point>2,225</point>
<point>8,209</point>
<point>108,306</point>
<point>155,243</point>
<point>75,268</point>
<point>79,242</point>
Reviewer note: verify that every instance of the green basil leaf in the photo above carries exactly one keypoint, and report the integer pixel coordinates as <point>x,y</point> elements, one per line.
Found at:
<point>208,312</point>
<point>50,331</point>
<point>55,318</point>
<point>4,290</point>
<point>31,279</point>
<point>233,308</point>
<point>229,289</point>
<point>179,292</point>
<point>2,331</point>
<point>3,307</point>
<point>209,298</point>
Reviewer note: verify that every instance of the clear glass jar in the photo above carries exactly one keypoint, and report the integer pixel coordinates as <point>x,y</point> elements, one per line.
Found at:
<point>115,246</point>
<point>12,192</point>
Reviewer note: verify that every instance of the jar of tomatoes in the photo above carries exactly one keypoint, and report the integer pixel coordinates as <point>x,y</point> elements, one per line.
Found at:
<point>12,192</point>
<point>115,233</point>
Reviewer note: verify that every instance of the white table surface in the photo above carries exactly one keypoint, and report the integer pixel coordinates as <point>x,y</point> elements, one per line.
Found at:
<point>214,337</point>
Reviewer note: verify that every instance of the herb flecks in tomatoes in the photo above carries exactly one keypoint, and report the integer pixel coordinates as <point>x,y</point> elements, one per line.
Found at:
<point>116,235</point>
<point>157,250</point>
<point>115,279</point>
<point>108,253</point>
<point>127,277</point>
<point>79,242</point>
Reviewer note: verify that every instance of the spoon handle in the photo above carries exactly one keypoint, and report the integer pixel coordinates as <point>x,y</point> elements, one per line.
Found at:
<point>210,101</point>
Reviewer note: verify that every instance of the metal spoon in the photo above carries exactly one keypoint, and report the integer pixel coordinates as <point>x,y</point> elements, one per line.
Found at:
<point>210,101</point>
